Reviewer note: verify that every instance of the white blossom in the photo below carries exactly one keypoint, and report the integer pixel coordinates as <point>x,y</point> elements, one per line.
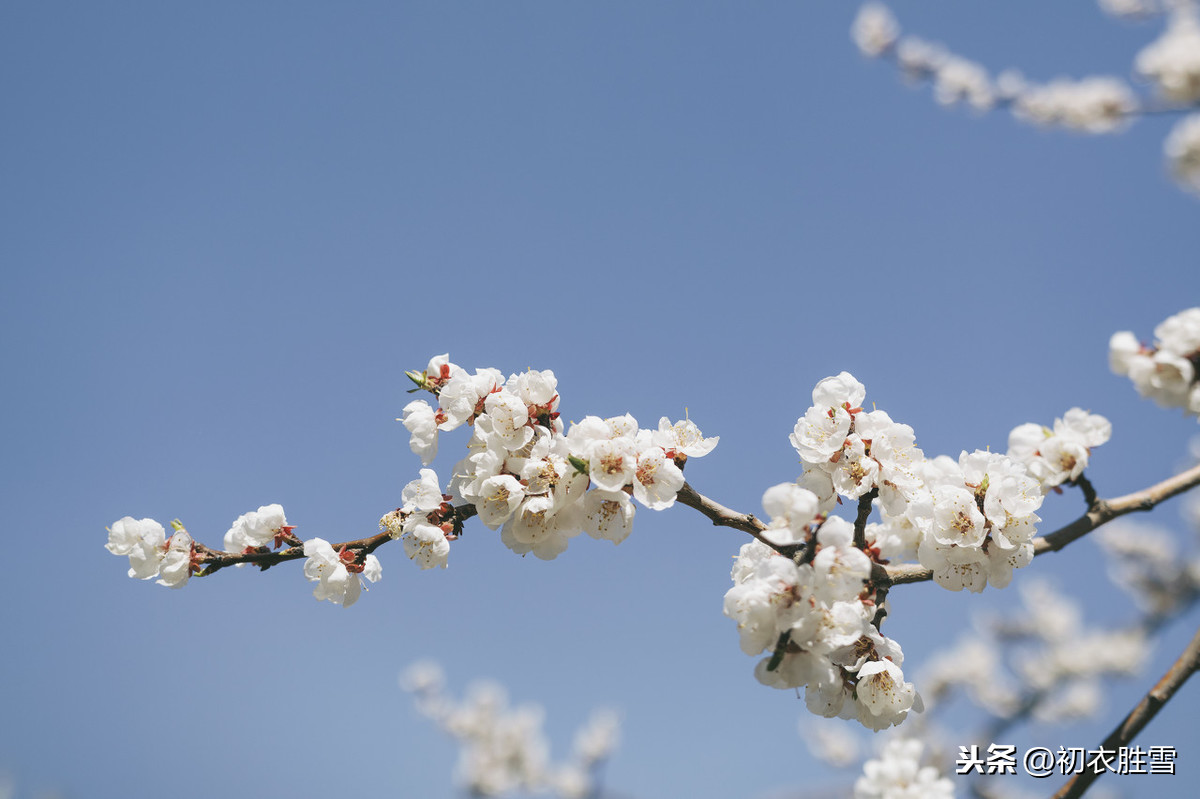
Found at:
<point>426,545</point>
<point>608,515</point>
<point>884,695</point>
<point>500,496</point>
<point>463,395</point>
<point>1054,456</point>
<point>330,572</point>
<point>658,479</point>
<point>613,462</point>
<point>257,528</point>
<point>176,565</point>
<point>1165,372</point>
<point>792,509</point>
<point>142,540</point>
<point>874,30</point>
<point>421,421</point>
<point>683,437</point>
<point>424,493</point>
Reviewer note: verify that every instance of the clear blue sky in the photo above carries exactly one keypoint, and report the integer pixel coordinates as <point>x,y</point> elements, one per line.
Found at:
<point>228,228</point>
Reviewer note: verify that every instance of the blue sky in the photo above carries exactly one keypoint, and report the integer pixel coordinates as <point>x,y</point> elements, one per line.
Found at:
<point>228,229</point>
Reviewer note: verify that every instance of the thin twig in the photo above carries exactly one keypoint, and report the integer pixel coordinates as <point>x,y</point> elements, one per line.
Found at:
<point>1089,491</point>
<point>1140,716</point>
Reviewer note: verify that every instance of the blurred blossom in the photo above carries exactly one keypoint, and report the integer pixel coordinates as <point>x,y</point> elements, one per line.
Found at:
<point>1182,149</point>
<point>835,744</point>
<point>504,749</point>
<point>874,30</point>
<point>1145,561</point>
<point>1095,104</point>
<point>1130,9</point>
<point>1172,62</point>
<point>898,774</point>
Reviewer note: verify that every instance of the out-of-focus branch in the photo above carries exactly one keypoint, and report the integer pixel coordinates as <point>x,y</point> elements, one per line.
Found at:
<point>1141,715</point>
<point>1101,512</point>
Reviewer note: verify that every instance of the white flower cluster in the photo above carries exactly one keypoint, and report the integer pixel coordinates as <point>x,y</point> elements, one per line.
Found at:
<point>898,774</point>
<point>1166,372</point>
<point>1090,105</point>
<point>1058,455</point>
<point>504,749</point>
<point>423,523</point>
<point>1172,62</point>
<point>1182,148</point>
<point>851,451</point>
<point>151,553</point>
<point>976,517</point>
<point>816,619</point>
<point>970,521</point>
<point>338,574</point>
<point>523,475</point>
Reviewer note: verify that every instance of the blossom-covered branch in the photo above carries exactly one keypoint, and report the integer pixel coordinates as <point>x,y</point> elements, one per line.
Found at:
<point>1101,512</point>
<point>810,592</point>
<point>208,560</point>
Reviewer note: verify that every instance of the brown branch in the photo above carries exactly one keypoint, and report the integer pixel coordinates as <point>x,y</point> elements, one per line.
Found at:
<point>1089,491</point>
<point>722,516</point>
<point>1141,715</point>
<point>213,560</point>
<point>1104,511</point>
<point>1101,512</point>
<point>860,521</point>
